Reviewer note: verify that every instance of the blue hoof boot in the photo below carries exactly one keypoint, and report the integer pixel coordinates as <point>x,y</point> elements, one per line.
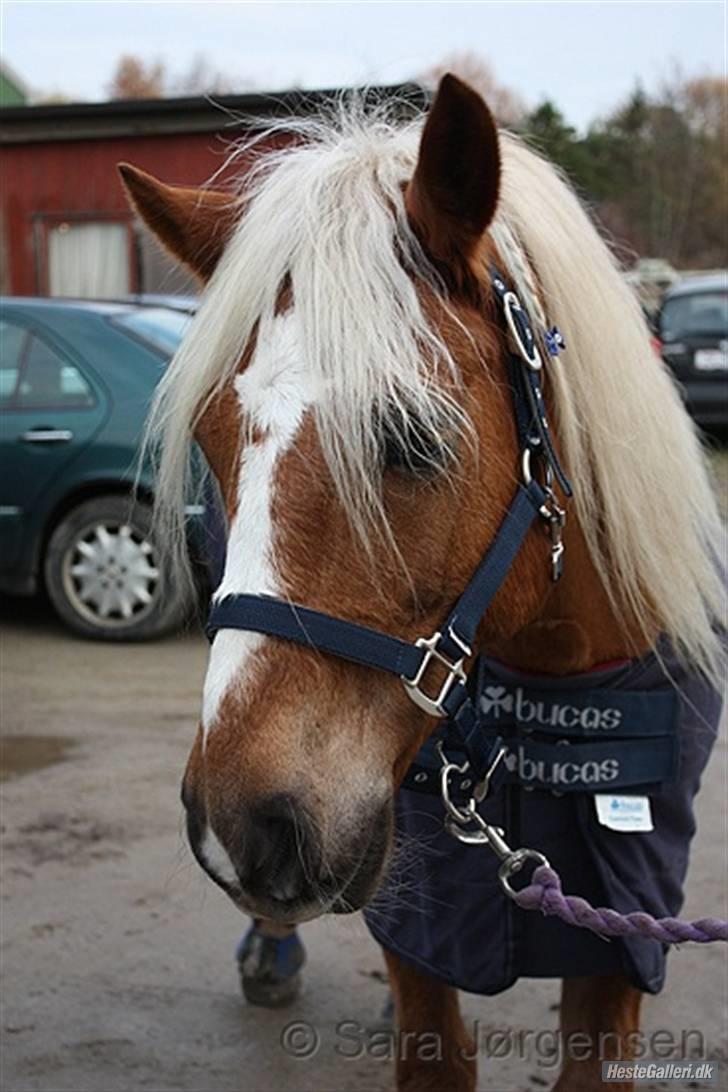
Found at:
<point>270,968</point>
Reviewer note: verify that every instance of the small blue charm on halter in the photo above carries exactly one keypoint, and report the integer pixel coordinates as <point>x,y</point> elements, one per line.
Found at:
<point>554,341</point>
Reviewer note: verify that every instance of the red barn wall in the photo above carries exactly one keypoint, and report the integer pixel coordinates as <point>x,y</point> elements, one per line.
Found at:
<point>77,179</point>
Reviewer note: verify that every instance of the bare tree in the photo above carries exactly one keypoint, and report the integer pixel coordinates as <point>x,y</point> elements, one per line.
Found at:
<point>507,105</point>
<point>201,78</point>
<point>137,79</point>
<point>706,106</point>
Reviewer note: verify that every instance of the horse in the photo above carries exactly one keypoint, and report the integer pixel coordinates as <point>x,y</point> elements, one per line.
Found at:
<point>348,379</point>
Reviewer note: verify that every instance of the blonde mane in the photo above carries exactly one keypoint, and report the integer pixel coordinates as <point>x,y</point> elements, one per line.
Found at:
<point>327,216</point>
<point>643,496</point>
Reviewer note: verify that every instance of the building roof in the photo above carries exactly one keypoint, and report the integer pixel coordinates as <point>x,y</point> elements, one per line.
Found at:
<point>13,89</point>
<point>198,114</point>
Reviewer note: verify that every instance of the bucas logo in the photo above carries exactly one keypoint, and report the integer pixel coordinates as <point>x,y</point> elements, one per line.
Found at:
<point>496,701</point>
<point>549,772</point>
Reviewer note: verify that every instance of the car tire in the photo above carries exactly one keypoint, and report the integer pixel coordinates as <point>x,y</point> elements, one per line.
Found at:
<point>104,574</point>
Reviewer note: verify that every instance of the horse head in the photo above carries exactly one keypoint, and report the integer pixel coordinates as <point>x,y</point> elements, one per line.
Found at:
<point>346,380</point>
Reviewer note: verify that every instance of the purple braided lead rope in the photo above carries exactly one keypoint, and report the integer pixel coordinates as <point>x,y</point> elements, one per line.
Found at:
<point>544,893</point>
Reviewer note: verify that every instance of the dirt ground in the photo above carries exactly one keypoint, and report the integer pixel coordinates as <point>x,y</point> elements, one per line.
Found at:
<point>117,953</point>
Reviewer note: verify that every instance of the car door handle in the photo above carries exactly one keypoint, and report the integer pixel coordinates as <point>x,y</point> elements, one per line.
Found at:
<point>46,436</point>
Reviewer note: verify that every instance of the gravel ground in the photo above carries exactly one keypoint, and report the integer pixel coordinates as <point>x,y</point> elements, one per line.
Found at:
<point>117,952</point>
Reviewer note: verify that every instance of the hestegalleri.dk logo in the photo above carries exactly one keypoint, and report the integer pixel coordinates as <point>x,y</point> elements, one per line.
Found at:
<point>498,702</point>
<point>667,1072</point>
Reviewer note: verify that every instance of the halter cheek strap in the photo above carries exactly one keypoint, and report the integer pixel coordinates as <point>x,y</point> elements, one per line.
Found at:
<point>452,645</point>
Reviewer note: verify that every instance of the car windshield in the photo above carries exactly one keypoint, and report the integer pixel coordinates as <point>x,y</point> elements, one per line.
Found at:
<point>694,315</point>
<point>162,327</point>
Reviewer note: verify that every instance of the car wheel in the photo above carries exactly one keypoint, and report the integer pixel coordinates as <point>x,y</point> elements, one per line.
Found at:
<point>105,576</point>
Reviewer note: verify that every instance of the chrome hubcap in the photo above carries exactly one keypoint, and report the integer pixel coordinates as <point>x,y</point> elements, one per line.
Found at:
<point>110,575</point>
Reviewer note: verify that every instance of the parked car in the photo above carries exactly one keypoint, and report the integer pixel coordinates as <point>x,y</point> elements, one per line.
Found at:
<point>692,327</point>
<point>76,379</point>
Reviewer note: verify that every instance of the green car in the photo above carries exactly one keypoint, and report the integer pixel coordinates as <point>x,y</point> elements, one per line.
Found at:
<point>76,380</point>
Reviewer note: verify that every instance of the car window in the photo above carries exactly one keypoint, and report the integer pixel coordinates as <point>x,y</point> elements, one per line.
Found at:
<point>696,314</point>
<point>162,327</point>
<point>12,343</point>
<point>49,381</point>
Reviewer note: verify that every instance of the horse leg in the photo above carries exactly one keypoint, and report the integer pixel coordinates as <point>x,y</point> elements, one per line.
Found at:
<point>434,1051</point>
<point>600,1020</point>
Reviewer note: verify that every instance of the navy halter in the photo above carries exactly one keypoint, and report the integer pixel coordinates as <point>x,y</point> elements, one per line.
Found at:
<point>452,645</point>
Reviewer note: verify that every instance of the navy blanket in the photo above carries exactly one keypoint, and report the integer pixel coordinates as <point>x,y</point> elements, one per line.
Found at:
<point>443,910</point>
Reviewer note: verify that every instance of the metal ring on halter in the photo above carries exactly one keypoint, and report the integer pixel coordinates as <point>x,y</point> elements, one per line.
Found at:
<point>528,353</point>
<point>514,863</point>
<point>460,815</point>
<point>527,475</point>
<point>550,510</point>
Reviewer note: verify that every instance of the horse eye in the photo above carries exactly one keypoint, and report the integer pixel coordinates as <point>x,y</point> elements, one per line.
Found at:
<point>407,446</point>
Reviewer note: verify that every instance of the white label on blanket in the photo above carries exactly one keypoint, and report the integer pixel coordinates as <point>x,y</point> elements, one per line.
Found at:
<point>627,813</point>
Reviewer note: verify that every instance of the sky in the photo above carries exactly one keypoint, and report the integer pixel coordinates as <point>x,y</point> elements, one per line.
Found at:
<point>585,56</point>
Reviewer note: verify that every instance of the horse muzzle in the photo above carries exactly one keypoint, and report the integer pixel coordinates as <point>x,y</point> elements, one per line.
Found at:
<point>272,859</point>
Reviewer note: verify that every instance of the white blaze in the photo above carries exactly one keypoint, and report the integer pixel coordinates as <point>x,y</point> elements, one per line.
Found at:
<point>217,859</point>
<point>274,392</point>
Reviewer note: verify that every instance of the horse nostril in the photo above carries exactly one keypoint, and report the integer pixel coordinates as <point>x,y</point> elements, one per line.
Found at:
<point>272,838</point>
<point>278,853</point>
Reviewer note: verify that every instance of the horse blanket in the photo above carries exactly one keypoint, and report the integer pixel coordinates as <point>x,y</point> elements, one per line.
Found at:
<point>443,909</point>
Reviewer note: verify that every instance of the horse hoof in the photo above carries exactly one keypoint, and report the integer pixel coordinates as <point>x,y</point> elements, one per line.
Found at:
<point>269,968</point>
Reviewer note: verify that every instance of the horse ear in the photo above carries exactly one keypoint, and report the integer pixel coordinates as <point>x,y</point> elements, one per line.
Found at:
<point>193,224</point>
<point>454,191</point>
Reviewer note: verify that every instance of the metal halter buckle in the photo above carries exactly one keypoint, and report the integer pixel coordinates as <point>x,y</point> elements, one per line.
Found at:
<point>528,351</point>
<point>554,516</point>
<point>456,673</point>
<point>551,512</point>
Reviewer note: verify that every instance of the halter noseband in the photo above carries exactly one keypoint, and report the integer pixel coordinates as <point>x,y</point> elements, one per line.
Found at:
<point>453,643</point>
